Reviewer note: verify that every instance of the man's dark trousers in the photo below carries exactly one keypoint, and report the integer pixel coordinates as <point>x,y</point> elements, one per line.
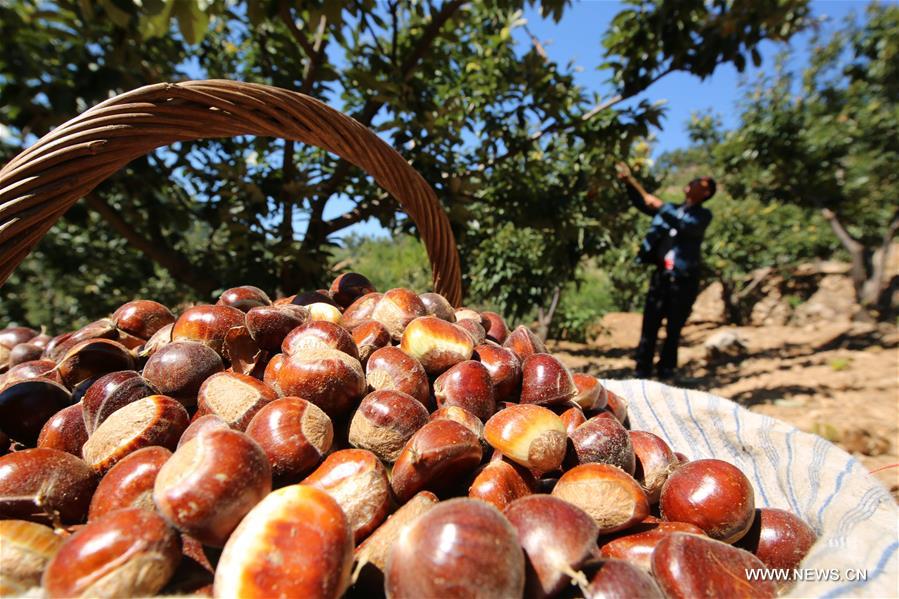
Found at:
<point>670,297</point>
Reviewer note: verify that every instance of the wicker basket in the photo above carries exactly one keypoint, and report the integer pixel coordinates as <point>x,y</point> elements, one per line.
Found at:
<point>41,183</point>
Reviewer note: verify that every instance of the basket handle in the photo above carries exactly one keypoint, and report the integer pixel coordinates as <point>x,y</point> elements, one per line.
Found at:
<point>42,182</point>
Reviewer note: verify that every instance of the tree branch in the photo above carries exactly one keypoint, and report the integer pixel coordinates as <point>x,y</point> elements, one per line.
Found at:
<point>298,36</point>
<point>849,242</point>
<point>358,214</point>
<point>318,48</point>
<point>173,261</point>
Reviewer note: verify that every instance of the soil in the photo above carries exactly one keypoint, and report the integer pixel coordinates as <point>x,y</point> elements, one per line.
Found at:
<point>839,380</point>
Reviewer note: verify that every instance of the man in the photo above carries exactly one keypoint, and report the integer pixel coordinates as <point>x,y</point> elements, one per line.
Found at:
<point>672,244</point>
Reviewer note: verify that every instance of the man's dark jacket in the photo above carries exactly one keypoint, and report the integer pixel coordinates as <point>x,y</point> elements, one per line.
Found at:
<point>688,223</point>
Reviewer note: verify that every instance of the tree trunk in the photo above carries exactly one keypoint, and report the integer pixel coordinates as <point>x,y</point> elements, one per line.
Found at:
<point>545,317</point>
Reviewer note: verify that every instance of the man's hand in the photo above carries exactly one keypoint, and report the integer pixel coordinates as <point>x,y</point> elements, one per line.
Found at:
<point>652,201</point>
<point>623,170</point>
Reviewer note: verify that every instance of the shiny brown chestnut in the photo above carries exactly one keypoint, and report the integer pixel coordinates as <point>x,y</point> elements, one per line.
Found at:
<point>201,424</point>
<point>93,358</point>
<point>27,549</point>
<point>242,353</point>
<point>329,378</point>
<point>438,456</point>
<point>474,329</point>
<point>467,385</point>
<point>654,462</point>
<point>319,296</point>
<point>99,329</point>
<point>688,565</point>
<point>780,539</point>
<point>557,537</point>
<point>385,421</point>
<point>244,298</point>
<point>357,480</point>
<point>545,381</point>
<point>636,547</point>
<point>500,482</point>
<point>605,441</point>
<point>294,434</point>
<point>129,552</point>
<point>369,336</point>
<point>611,496</point>
<point>207,324</point>
<point>111,392</point>
<point>160,339</point>
<point>617,405</point>
<point>590,393</point>
<point>359,311</point>
<point>324,311</point>
<point>504,368</point>
<point>572,418</point>
<point>269,325</point>
<point>391,369</point>
<point>463,417</point>
<point>42,368</point>
<point>236,398</point>
<point>712,494</point>
<point>524,343</point>
<point>210,483</point>
<point>462,548</point>
<point>464,313</point>
<point>152,420</point>
<point>436,343</point>
<point>346,288</point>
<point>24,352</point>
<point>616,579</point>
<point>142,318</point>
<point>497,330</point>
<point>530,435</point>
<point>179,368</point>
<point>129,484</point>
<point>12,336</point>
<point>396,309</point>
<point>25,406</point>
<point>45,485</point>
<point>319,334</point>
<point>65,431</point>
<point>295,543</point>
<point>439,306</point>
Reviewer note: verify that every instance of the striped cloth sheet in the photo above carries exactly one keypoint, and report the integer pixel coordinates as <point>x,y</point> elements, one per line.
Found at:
<point>855,517</point>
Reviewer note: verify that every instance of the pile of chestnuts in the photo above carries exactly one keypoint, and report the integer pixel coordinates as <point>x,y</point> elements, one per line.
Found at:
<point>346,442</point>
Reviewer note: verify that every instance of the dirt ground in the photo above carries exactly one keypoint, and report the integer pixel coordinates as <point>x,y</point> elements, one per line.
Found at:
<point>837,380</point>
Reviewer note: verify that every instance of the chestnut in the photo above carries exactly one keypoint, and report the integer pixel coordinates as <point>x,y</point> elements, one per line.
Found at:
<point>530,435</point>
<point>545,381</point>
<point>369,336</point>
<point>524,343</point>
<point>654,462</point>
<point>269,325</point>
<point>712,494</point>
<point>557,537</point>
<point>357,481</point>
<point>200,424</point>
<point>207,324</point>
<point>436,343</point>
<point>590,393</point>
<point>27,549</point>
<point>611,496</point>
<point>473,328</point>
<point>129,484</point>
<point>126,553</point>
<point>65,431</point>
<point>504,368</point>
<point>241,351</point>
<point>463,417</point>
<point>244,298</point>
<point>501,482</point>
<point>615,579</point>
<point>24,352</point>
<point>687,565</point>
<point>437,457</point>
<point>179,368</point>
<point>384,422</point>
<point>496,328</point>
<point>617,405</point>
<point>437,305</point>
<point>12,336</point>
<point>42,368</point>
<point>92,358</point>
<point>294,434</point>
<point>234,397</point>
<point>396,309</point>
<point>319,296</point>
<point>467,385</point>
<point>464,313</point>
<point>329,378</point>
<point>45,485</point>
<point>295,543</point>
<point>572,418</point>
<point>210,483</point>
<point>348,287</point>
<point>324,311</point>
<point>111,392</point>
<point>160,338</point>
<point>636,547</point>
<point>460,548</point>
<point>780,539</point>
<point>603,440</point>
<point>142,318</point>
<point>153,420</point>
<point>99,329</point>
<point>359,311</point>
<point>319,334</point>
<point>25,406</point>
<point>391,369</point>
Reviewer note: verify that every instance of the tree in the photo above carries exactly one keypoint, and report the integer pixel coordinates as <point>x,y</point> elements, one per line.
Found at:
<point>829,141</point>
<point>519,154</point>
